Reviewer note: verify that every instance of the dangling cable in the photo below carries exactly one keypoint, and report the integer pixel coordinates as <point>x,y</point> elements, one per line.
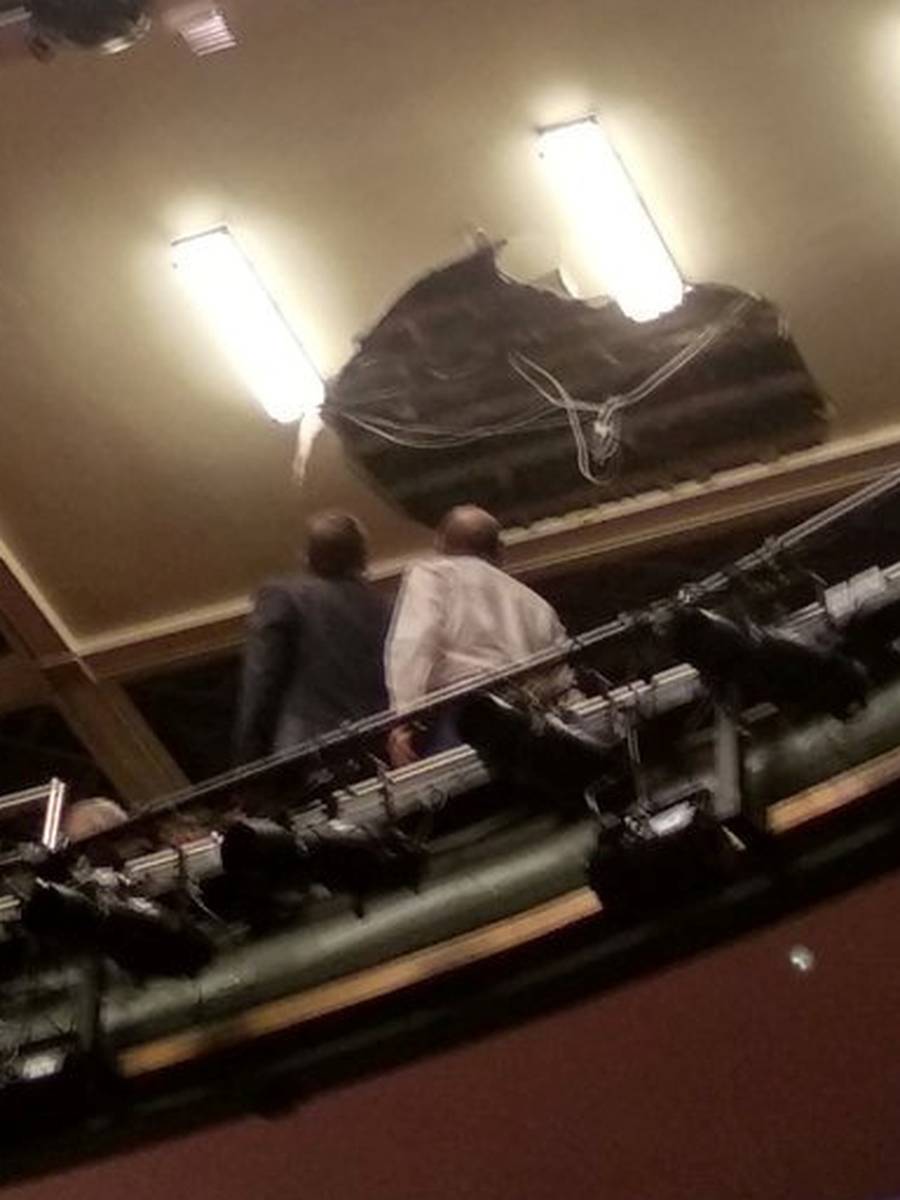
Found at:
<point>607,425</point>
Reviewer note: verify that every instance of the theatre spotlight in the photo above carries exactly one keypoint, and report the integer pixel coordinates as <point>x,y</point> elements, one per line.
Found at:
<point>814,678</point>
<point>719,648</point>
<point>649,862</point>
<point>759,663</point>
<point>263,859</point>
<point>62,913</point>
<point>257,848</point>
<point>266,873</point>
<point>355,859</point>
<point>137,934</point>
<point>540,749</point>
<point>872,631</point>
<point>146,939</point>
<point>42,1084</point>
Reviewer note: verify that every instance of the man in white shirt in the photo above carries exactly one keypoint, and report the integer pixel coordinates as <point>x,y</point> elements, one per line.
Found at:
<point>458,615</point>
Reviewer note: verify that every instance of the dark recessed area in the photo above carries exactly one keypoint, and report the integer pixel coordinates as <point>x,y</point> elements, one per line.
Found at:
<point>37,745</point>
<point>192,711</point>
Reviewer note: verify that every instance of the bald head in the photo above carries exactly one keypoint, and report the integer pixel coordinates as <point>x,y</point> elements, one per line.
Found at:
<point>336,546</point>
<point>87,818</point>
<point>470,530</point>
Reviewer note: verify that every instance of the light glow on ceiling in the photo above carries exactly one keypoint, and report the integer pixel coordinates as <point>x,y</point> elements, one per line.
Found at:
<point>619,244</point>
<point>248,325</point>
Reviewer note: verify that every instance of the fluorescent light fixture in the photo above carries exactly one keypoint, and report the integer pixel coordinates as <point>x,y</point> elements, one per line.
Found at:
<point>248,324</point>
<point>619,244</point>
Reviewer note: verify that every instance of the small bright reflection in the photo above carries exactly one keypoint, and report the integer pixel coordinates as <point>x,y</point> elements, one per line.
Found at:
<point>618,242</point>
<point>247,323</point>
<point>802,959</point>
<point>208,33</point>
<point>42,1066</point>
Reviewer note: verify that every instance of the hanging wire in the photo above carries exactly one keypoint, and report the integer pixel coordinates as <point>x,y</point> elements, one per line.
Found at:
<point>424,436</point>
<point>432,437</point>
<point>608,412</point>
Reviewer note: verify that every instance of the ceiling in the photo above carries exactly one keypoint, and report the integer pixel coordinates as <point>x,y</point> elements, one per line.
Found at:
<point>352,146</point>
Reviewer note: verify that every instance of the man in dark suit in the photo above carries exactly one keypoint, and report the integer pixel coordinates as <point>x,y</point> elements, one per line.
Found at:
<point>315,647</point>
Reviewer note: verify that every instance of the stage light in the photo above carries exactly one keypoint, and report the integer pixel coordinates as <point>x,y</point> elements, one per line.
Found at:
<point>651,861</point>
<point>248,324</point>
<point>872,632</point>
<point>538,749</point>
<point>751,663</point>
<point>62,913</point>
<point>147,940</point>
<point>262,849</point>
<point>263,859</point>
<point>42,1084</point>
<point>809,677</point>
<point>137,934</point>
<point>618,241</point>
<point>355,859</point>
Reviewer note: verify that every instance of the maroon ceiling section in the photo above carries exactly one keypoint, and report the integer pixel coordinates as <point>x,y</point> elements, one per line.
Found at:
<point>730,1077</point>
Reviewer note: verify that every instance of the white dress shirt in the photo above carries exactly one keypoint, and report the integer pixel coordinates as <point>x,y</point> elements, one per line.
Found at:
<point>458,616</point>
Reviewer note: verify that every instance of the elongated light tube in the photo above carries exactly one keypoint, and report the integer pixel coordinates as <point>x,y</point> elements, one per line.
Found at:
<point>616,238</point>
<point>249,326</point>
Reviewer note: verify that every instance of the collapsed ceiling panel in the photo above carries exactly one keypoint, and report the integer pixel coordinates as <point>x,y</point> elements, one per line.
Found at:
<point>473,387</point>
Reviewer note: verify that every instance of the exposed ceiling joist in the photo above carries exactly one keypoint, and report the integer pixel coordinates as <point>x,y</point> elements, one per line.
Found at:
<point>99,712</point>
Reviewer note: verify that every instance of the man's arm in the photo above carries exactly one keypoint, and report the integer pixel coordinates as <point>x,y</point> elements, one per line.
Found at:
<point>564,683</point>
<point>268,665</point>
<point>558,683</point>
<point>411,651</point>
<point>414,639</point>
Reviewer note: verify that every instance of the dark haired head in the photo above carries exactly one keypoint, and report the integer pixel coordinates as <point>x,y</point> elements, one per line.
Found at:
<point>470,530</point>
<point>336,546</point>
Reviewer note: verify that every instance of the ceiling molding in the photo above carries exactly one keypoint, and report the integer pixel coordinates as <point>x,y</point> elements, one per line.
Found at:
<point>608,532</point>
<point>643,522</point>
